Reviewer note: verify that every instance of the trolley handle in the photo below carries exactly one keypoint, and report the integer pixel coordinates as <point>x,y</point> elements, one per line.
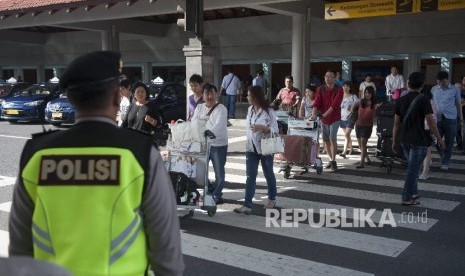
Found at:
<point>209,134</point>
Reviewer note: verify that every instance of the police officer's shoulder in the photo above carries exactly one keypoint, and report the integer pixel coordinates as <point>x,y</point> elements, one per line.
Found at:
<point>139,132</point>
<point>44,133</point>
<point>145,134</point>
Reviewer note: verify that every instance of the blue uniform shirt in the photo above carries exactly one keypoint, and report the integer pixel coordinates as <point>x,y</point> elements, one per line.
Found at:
<point>446,100</point>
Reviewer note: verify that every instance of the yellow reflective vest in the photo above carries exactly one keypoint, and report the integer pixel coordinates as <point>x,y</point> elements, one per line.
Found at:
<point>86,215</point>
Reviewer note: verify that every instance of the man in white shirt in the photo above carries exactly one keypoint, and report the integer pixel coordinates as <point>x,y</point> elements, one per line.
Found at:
<point>214,116</point>
<point>393,81</point>
<point>262,82</point>
<point>231,85</point>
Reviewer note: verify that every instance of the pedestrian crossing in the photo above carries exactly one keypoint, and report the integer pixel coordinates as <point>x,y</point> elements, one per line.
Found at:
<point>442,193</point>
<point>245,242</point>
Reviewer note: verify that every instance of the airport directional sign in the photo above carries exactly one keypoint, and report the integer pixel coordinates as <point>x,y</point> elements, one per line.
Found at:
<point>367,8</point>
<point>440,5</point>
<point>371,8</point>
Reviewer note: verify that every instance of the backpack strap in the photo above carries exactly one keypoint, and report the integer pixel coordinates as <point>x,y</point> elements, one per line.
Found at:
<point>409,110</point>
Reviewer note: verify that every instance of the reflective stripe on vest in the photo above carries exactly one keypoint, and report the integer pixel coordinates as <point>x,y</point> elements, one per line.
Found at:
<point>87,210</point>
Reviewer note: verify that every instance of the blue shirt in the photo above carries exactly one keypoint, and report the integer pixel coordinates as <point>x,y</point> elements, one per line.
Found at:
<point>446,100</point>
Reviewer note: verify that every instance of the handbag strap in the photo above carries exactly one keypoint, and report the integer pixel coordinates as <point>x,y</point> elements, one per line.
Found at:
<point>211,110</point>
<point>409,110</point>
<point>229,82</point>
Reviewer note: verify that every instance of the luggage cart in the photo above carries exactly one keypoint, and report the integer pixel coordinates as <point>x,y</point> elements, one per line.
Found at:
<point>310,130</point>
<point>206,202</point>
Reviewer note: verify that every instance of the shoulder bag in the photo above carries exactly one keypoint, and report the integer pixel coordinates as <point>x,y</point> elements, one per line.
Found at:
<point>272,145</point>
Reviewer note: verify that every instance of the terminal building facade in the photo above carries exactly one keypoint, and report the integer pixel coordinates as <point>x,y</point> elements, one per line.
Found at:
<point>39,39</point>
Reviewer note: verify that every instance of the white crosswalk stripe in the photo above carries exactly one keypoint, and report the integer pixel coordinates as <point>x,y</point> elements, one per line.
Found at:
<point>317,193</point>
<point>257,260</point>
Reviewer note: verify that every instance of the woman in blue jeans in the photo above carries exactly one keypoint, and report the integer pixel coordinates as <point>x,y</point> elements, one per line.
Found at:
<point>260,122</point>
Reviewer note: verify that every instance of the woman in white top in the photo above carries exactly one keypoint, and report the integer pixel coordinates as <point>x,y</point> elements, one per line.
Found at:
<point>348,100</point>
<point>365,84</point>
<point>306,106</point>
<point>125,92</point>
<point>260,122</point>
<point>216,122</point>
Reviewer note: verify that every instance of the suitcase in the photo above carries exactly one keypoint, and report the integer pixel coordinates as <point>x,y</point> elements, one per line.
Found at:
<point>299,149</point>
<point>384,149</point>
<point>384,126</point>
<point>386,110</point>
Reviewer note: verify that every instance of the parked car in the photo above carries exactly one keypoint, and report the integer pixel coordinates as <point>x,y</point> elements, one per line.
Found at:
<point>29,104</point>
<point>9,89</point>
<point>59,111</point>
<point>170,98</point>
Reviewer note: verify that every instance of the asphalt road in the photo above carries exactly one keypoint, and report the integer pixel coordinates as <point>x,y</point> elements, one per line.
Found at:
<point>427,239</point>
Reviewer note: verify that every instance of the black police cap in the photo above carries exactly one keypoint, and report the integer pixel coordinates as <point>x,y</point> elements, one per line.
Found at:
<point>90,69</point>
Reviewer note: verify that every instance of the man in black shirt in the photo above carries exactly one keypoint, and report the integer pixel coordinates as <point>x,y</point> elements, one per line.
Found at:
<point>409,127</point>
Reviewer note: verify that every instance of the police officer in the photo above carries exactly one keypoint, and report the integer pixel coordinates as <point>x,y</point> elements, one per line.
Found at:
<point>95,199</point>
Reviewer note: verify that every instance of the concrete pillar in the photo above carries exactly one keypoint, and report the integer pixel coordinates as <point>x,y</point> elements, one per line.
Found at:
<point>412,64</point>
<point>40,73</point>
<point>200,59</point>
<point>298,22</point>
<point>301,50</point>
<point>346,70</point>
<point>110,39</point>
<point>147,72</point>
<point>253,69</point>
<point>217,72</point>
<point>18,72</point>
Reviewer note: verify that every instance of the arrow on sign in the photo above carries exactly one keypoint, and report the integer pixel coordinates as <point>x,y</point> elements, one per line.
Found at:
<point>330,11</point>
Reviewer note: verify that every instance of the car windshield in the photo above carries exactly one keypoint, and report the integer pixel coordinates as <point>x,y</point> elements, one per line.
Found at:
<point>154,91</point>
<point>36,90</point>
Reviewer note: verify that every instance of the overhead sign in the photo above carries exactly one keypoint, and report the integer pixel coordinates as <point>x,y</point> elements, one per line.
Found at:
<point>440,5</point>
<point>368,8</point>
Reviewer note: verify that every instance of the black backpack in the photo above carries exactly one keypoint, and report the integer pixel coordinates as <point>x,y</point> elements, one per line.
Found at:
<point>185,189</point>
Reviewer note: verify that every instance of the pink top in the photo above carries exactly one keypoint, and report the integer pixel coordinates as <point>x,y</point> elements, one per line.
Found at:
<point>366,115</point>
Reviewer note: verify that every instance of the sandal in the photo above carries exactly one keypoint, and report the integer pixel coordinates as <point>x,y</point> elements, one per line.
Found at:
<point>360,166</point>
<point>343,155</point>
<point>410,202</point>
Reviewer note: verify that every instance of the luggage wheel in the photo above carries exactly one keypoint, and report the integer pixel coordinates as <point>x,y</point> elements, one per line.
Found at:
<point>287,172</point>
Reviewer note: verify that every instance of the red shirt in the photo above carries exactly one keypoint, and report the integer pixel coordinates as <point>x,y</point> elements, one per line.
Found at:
<point>288,96</point>
<point>331,97</point>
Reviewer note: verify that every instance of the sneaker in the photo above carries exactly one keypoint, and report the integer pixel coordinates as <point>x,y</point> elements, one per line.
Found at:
<point>423,177</point>
<point>219,201</point>
<point>444,167</point>
<point>333,165</point>
<point>243,210</point>
<point>329,165</point>
<point>270,204</point>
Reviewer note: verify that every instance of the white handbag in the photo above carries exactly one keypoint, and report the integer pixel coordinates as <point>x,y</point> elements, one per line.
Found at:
<point>272,145</point>
<point>187,131</point>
